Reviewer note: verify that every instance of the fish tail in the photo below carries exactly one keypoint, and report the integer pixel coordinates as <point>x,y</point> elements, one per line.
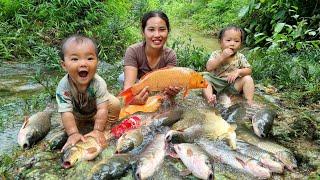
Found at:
<point>127,95</point>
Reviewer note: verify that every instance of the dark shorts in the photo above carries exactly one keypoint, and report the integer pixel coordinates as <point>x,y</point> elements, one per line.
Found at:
<point>220,85</point>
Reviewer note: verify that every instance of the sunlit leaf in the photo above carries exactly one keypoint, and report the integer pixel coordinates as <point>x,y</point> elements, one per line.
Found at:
<point>279,27</point>
<point>243,11</point>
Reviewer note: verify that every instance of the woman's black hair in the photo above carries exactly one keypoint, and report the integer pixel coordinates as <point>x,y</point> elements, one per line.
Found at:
<point>79,39</point>
<point>229,27</point>
<point>151,14</point>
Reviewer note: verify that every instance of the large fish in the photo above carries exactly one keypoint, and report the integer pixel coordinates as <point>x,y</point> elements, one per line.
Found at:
<point>262,122</point>
<point>195,159</point>
<point>261,155</point>
<point>203,122</point>
<point>34,128</point>
<point>87,150</point>
<point>221,152</point>
<point>160,79</point>
<point>280,152</point>
<point>129,140</point>
<point>151,158</point>
<point>113,167</point>
<point>217,128</point>
<point>153,103</point>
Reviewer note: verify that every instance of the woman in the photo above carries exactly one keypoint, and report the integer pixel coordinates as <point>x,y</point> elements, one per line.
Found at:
<point>149,55</point>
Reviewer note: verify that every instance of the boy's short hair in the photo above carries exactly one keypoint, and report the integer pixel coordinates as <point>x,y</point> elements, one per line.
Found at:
<point>79,39</point>
<point>231,26</point>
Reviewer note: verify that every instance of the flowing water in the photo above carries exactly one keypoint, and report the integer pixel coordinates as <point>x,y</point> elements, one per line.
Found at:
<point>16,88</point>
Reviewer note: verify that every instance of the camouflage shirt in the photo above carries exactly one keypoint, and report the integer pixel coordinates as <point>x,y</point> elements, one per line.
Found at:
<point>239,61</point>
<point>82,105</point>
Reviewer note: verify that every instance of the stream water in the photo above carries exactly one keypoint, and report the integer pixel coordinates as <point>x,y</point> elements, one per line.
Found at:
<point>16,88</point>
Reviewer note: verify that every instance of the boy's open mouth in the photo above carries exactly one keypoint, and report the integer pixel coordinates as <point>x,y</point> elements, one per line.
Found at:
<point>83,73</point>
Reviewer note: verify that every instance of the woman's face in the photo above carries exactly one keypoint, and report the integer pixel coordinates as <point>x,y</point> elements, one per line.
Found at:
<point>155,33</point>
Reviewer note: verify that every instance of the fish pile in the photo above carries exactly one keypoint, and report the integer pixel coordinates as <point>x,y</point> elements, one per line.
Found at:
<point>200,139</point>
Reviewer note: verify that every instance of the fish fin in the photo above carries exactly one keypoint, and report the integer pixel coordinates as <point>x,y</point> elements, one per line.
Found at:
<point>92,150</point>
<point>127,95</point>
<point>243,164</point>
<point>26,122</point>
<point>185,172</point>
<point>189,152</point>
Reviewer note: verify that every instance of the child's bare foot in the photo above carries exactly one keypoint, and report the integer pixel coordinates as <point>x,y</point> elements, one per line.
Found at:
<point>212,99</point>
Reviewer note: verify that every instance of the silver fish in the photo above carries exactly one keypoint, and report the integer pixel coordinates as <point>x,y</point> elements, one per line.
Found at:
<point>221,152</point>
<point>280,152</point>
<point>261,155</point>
<point>195,159</point>
<point>151,158</point>
<point>34,128</point>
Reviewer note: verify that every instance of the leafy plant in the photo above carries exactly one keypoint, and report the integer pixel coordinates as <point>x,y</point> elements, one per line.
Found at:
<point>189,55</point>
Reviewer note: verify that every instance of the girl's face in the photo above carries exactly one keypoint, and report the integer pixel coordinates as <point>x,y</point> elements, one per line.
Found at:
<point>231,39</point>
<point>80,62</point>
<point>155,33</point>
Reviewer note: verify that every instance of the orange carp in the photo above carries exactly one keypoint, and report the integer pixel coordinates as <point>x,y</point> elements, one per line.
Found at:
<point>153,103</point>
<point>163,78</point>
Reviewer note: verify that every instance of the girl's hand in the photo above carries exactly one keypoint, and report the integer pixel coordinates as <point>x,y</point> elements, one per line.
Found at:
<point>172,91</point>
<point>99,136</point>
<point>72,140</point>
<point>228,52</point>
<point>233,76</point>
<point>141,97</point>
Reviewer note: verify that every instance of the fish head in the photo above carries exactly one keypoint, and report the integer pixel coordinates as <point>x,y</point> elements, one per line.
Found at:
<point>177,148</point>
<point>274,166</point>
<point>205,170</point>
<point>124,147</point>
<point>143,172</point>
<point>197,81</point>
<point>287,159</point>
<point>262,122</point>
<point>27,137</point>
<point>174,137</point>
<point>254,167</point>
<point>71,155</point>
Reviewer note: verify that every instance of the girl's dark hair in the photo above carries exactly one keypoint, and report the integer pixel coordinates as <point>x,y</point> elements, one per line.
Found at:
<point>229,27</point>
<point>78,39</point>
<point>151,14</point>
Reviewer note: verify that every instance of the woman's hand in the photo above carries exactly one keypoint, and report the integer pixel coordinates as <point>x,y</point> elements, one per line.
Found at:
<point>72,140</point>
<point>172,91</point>
<point>99,136</point>
<point>233,76</point>
<point>141,97</point>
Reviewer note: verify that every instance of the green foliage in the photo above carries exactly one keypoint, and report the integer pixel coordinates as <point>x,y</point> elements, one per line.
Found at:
<point>290,72</point>
<point>287,25</point>
<point>190,55</point>
<point>207,15</point>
